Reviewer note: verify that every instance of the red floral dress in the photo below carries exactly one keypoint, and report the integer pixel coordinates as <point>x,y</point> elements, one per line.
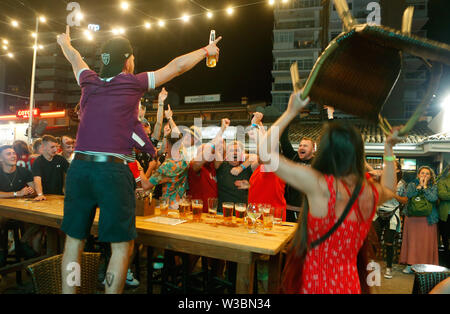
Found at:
<point>330,268</point>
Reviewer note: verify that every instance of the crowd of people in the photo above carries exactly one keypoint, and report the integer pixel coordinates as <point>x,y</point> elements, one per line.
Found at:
<point>326,187</point>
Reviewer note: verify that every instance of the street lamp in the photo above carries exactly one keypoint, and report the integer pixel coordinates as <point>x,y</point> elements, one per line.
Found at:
<point>33,73</point>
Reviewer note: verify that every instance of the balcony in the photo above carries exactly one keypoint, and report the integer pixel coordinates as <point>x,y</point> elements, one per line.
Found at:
<point>285,66</point>
<point>296,25</point>
<point>297,44</point>
<point>50,97</point>
<point>298,4</point>
<point>52,85</point>
<point>52,61</point>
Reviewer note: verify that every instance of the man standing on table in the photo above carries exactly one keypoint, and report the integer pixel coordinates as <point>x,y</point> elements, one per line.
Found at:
<point>109,129</point>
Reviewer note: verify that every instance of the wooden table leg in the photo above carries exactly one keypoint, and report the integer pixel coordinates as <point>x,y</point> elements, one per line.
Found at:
<point>244,278</point>
<point>52,241</point>
<point>274,273</point>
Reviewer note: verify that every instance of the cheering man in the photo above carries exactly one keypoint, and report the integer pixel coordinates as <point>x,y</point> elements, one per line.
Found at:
<point>109,129</point>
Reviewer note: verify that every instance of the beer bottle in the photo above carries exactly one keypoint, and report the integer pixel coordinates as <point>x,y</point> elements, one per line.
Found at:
<point>211,60</point>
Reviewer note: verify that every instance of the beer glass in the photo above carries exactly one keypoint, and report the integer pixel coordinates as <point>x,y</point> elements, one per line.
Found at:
<point>268,217</point>
<point>184,208</point>
<point>277,215</point>
<point>253,212</point>
<point>240,209</point>
<point>212,207</point>
<point>164,206</point>
<point>227,208</point>
<point>197,209</point>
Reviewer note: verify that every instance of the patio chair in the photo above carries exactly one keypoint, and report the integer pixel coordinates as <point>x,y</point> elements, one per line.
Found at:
<point>46,274</point>
<point>360,67</point>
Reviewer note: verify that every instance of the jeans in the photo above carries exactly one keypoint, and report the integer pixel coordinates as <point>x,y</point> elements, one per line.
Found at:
<point>382,225</point>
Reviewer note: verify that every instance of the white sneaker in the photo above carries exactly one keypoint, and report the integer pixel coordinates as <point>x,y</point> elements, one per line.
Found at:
<point>388,273</point>
<point>131,281</point>
<point>407,270</point>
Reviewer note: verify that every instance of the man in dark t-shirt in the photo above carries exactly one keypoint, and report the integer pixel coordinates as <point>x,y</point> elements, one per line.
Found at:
<point>14,182</point>
<point>304,156</point>
<point>49,169</point>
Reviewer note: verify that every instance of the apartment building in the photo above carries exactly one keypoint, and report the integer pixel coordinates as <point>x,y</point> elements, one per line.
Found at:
<point>302,29</point>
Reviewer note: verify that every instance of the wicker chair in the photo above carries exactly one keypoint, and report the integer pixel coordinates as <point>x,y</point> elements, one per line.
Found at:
<point>46,274</point>
<point>425,282</point>
<point>358,70</point>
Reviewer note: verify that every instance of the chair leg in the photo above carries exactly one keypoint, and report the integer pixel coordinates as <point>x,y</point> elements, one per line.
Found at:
<point>137,268</point>
<point>205,274</point>
<point>17,257</point>
<point>149,270</point>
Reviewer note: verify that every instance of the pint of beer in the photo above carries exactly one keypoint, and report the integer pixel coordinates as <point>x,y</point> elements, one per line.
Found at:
<point>240,212</point>
<point>227,208</point>
<point>267,217</point>
<point>211,61</point>
<point>184,208</point>
<point>197,209</point>
<point>164,206</point>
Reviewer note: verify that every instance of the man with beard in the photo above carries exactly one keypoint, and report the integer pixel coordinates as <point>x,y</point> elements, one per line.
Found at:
<point>304,155</point>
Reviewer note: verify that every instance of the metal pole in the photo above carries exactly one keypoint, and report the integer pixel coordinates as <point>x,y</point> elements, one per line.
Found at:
<point>30,119</point>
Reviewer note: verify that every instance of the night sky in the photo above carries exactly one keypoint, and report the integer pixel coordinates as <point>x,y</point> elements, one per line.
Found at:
<point>245,63</point>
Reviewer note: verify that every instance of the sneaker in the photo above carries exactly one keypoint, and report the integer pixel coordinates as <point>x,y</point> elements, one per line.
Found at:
<point>131,281</point>
<point>388,273</point>
<point>407,270</point>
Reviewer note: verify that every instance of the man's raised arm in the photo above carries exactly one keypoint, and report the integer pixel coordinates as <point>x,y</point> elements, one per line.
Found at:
<point>71,54</point>
<point>185,62</point>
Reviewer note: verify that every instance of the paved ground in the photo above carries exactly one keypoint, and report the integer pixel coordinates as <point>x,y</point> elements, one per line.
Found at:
<point>400,284</point>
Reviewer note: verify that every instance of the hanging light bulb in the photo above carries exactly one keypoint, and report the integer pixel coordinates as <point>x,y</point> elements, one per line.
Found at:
<point>230,10</point>
<point>209,15</point>
<point>185,18</point>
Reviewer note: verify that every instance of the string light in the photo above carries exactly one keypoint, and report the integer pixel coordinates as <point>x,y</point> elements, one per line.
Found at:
<point>124,5</point>
<point>185,18</point>
<point>5,47</point>
<point>10,55</point>
<point>88,35</point>
<point>5,41</point>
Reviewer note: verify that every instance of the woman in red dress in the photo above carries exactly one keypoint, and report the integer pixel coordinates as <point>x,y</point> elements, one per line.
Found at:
<point>331,266</point>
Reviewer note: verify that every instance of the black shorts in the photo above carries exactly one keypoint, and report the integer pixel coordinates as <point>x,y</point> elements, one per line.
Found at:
<point>108,185</point>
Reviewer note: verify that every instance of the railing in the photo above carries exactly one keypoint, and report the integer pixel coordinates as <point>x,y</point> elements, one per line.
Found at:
<point>285,66</point>
<point>298,4</point>
<point>282,87</point>
<point>296,24</point>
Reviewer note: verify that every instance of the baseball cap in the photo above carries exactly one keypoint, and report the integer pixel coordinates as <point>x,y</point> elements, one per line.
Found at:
<point>114,54</point>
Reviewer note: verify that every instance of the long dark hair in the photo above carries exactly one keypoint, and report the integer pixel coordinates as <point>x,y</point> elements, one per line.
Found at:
<point>340,153</point>
<point>21,148</point>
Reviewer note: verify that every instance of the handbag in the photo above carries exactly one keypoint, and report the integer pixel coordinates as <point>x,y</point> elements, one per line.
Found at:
<point>419,206</point>
<point>387,214</point>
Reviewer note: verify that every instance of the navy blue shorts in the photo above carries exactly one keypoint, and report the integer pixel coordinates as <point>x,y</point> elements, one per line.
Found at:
<point>108,185</point>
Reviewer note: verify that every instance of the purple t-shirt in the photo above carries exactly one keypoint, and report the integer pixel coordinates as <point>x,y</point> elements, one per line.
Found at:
<point>109,113</point>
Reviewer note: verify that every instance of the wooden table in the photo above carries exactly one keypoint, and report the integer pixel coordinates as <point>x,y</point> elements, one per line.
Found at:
<point>233,244</point>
